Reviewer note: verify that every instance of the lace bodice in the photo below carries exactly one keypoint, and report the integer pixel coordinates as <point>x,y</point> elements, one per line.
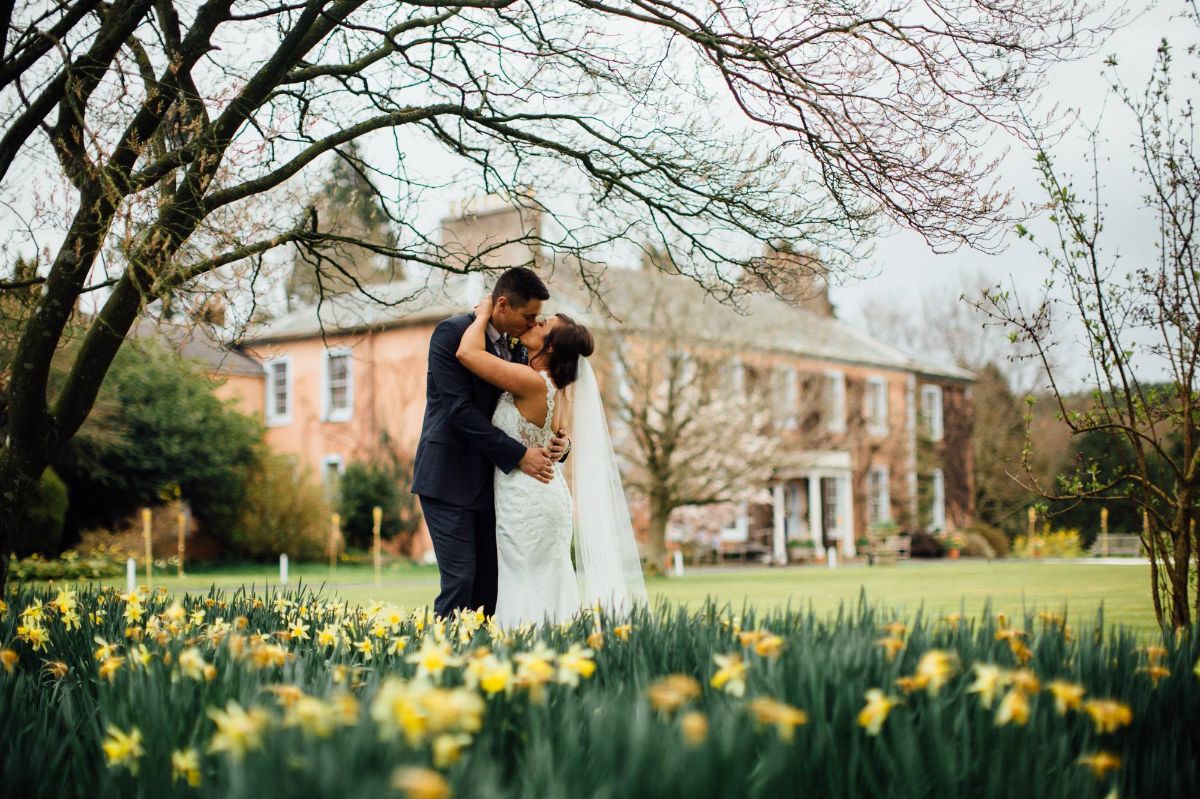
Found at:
<point>510,420</point>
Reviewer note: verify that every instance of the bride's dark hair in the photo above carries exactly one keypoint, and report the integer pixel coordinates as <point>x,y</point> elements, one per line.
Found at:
<point>567,343</point>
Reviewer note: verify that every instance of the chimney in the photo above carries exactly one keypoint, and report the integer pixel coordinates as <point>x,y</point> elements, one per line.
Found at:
<point>799,278</point>
<point>496,229</point>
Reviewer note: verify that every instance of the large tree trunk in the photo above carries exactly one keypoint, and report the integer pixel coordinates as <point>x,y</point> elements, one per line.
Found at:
<point>18,487</point>
<point>656,539</point>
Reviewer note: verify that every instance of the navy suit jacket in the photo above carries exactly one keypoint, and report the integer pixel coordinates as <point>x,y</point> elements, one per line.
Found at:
<point>459,446</point>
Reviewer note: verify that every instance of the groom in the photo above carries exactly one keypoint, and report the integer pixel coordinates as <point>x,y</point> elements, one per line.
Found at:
<point>459,446</point>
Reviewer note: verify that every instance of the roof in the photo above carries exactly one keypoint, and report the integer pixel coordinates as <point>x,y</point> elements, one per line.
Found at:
<point>196,342</point>
<point>389,305</point>
<point>764,323</point>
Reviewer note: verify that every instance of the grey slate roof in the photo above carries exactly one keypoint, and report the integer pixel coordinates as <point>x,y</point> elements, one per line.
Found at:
<point>196,343</point>
<point>765,323</point>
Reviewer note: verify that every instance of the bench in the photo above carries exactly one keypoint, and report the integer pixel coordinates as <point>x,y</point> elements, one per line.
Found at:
<point>890,550</point>
<point>1123,545</point>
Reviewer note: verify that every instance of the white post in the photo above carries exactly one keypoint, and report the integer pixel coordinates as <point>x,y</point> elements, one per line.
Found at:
<point>831,557</point>
<point>283,570</point>
<point>814,511</point>
<point>130,575</point>
<point>779,544</point>
<point>678,555</point>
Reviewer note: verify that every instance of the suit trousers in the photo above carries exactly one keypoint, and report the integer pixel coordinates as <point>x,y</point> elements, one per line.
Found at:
<point>464,542</point>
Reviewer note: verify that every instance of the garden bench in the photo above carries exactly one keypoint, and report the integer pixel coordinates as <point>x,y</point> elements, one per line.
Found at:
<point>890,550</point>
<point>1123,545</point>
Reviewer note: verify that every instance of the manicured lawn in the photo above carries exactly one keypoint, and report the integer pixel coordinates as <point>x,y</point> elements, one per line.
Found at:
<point>939,587</point>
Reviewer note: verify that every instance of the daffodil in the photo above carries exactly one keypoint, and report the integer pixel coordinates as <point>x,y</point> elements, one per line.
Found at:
<point>9,659</point>
<point>123,749</point>
<point>694,727</point>
<point>1108,715</point>
<point>890,646</point>
<point>64,602</point>
<point>56,669</point>
<point>365,648</point>
<point>574,664</point>
<point>238,731</point>
<point>1067,695</point>
<point>1156,673</point>
<point>989,679</point>
<point>447,748</point>
<point>328,636</point>
<point>1013,708</point>
<point>109,668</point>
<point>286,695</point>
<point>896,629</point>
<point>432,659</point>
<point>312,715</point>
<point>731,674</point>
<point>192,663</point>
<point>670,693</point>
<point>780,715</point>
<point>623,631</point>
<point>34,635</point>
<point>535,669</point>
<point>1101,763</point>
<point>105,650</point>
<point>397,645</point>
<point>420,783</point>
<point>876,711</point>
<point>185,765</point>
<point>934,669</point>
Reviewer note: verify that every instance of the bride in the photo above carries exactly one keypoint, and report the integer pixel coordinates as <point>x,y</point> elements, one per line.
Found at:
<point>535,521</point>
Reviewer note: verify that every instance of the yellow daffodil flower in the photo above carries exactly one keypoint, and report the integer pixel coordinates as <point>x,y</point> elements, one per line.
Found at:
<point>694,727</point>
<point>1067,695</point>
<point>934,669</point>
<point>781,715</point>
<point>192,663</point>
<point>1108,715</point>
<point>9,659</point>
<point>574,664</point>
<point>56,669</point>
<point>420,783</point>
<point>989,680</point>
<point>109,668</point>
<point>432,659</point>
<point>123,749</point>
<point>447,748</point>
<point>185,765</point>
<point>896,629</point>
<point>731,676</point>
<point>1101,763</point>
<point>1013,708</point>
<point>891,646</point>
<point>876,711</point>
<point>623,631</point>
<point>238,731</point>
<point>1156,673</point>
<point>670,693</point>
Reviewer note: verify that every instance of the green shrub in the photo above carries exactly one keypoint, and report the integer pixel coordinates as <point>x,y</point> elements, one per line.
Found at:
<point>996,538</point>
<point>977,546</point>
<point>284,512</point>
<point>69,566</point>
<point>41,533</point>
<point>382,482</point>
<point>1056,544</point>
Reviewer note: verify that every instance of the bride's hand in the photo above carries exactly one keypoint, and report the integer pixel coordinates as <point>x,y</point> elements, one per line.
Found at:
<point>483,308</point>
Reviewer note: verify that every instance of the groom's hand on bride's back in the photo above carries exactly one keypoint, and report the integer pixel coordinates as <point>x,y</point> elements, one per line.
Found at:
<point>537,464</point>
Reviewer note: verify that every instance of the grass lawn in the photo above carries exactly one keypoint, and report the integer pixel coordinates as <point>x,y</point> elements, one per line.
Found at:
<point>939,587</point>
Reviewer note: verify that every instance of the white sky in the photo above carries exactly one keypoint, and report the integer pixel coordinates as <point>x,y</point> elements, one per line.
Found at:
<point>903,266</point>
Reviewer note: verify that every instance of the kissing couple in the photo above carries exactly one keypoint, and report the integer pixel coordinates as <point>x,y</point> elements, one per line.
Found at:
<point>490,466</point>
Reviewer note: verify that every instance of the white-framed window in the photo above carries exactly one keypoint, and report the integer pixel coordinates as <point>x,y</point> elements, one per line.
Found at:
<point>937,505</point>
<point>879,497</point>
<point>785,396</point>
<point>279,391</point>
<point>931,412</point>
<point>875,406</point>
<point>332,467</point>
<point>735,375</point>
<point>833,401</point>
<point>339,386</point>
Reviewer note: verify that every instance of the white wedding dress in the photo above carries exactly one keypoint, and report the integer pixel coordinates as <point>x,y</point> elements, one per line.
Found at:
<point>533,529</point>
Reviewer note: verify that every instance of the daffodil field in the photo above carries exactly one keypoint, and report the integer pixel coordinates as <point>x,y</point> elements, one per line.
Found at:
<point>297,694</point>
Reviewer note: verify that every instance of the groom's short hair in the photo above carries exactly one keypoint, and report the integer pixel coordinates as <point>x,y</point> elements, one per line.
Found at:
<point>520,285</point>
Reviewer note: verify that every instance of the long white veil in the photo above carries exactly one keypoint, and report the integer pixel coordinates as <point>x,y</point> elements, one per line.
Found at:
<point>606,556</point>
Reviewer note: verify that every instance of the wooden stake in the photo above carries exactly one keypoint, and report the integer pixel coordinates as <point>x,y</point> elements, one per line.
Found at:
<point>182,521</point>
<point>149,550</point>
<point>377,517</point>
<point>1104,532</point>
<point>1032,515</point>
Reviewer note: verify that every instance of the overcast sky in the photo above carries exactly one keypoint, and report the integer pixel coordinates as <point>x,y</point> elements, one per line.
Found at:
<point>903,266</point>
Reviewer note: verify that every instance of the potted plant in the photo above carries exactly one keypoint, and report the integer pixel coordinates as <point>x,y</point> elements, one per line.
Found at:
<point>954,544</point>
<point>800,549</point>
